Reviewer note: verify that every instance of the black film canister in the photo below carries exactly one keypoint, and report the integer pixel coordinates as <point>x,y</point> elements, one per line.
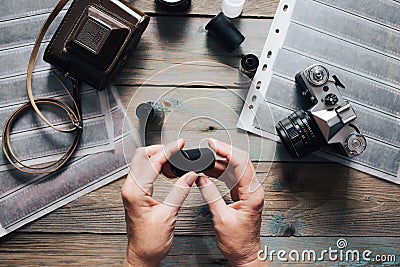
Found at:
<point>146,112</point>
<point>151,119</point>
<point>174,5</point>
<point>249,65</point>
<point>225,32</point>
<point>196,160</point>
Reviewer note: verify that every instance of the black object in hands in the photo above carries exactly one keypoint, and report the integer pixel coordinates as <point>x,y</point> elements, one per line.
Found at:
<point>196,160</point>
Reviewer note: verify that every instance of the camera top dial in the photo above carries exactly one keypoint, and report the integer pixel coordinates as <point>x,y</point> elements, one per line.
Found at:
<point>318,75</point>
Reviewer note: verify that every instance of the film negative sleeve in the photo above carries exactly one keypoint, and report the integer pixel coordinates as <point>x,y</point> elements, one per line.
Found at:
<point>357,41</point>
<point>24,8</point>
<point>358,88</point>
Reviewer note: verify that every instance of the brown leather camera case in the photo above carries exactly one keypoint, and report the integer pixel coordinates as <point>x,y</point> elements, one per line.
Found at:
<point>95,38</point>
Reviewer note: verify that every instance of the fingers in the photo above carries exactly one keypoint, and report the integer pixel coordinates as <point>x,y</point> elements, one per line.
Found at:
<point>144,170</point>
<point>167,171</point>
<point>133,195</point>
<point>180,191</point>
<point>147,152</point>
<point>240,173</point>
<point>218,170</point>
<point>211,195</point>
<point>234,155</point>
<point>162,156</point>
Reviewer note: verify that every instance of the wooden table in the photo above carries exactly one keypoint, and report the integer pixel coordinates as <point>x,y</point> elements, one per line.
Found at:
<point>307,205</point>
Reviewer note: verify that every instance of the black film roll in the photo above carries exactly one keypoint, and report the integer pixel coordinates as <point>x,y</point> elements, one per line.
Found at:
<point>225,32</point>
<point>196,160</point>
<point>249,65</point>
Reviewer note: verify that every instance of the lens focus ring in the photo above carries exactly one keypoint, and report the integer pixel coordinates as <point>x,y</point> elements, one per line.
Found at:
<point>299,134</point>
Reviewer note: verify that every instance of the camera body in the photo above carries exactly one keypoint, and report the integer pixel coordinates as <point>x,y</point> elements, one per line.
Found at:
<point>95,38</point>
<point>330,120</point>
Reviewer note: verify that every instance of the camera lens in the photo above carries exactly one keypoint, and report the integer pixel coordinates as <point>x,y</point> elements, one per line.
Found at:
<point>299,134</point>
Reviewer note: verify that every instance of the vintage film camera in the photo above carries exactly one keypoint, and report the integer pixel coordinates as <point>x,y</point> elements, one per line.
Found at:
<point>95,38</point>
<point>329,121</point>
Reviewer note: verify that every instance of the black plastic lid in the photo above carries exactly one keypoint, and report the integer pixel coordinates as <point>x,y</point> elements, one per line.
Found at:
<point>174,5</point>
<point>196,160</point>
<point>225,32</point>
<point>145,112</point>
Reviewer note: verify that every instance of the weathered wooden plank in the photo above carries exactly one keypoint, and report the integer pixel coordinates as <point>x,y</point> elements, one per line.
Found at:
<point>256,8</point>
<point>338,202</point>
<point>168,42</point>
<point>109,250</point>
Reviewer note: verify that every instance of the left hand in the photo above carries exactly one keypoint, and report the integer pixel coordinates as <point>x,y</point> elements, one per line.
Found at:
<point>150,224</point>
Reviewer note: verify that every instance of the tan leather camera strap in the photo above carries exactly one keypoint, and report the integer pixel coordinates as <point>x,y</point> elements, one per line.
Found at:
<point>74,113</point>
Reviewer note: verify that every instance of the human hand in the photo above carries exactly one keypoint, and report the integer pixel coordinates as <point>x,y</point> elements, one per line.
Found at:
<point>237,225</point>
<point>150,224</point>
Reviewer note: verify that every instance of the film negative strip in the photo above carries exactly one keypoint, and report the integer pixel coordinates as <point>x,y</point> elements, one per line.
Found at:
<point>44,83</point>
<point>382,11</point>
<point>367,63</point>
<point>24,8</point>
<point>92,108</point>
<point>15,61</point>
<point>37,196</point>
<point>359,89</point>
<point>12,180</point>
<point>357,41</point>
<point>351,28</point>
<point>44,145</point>
<point>23,31</point>
<point>37,142</point>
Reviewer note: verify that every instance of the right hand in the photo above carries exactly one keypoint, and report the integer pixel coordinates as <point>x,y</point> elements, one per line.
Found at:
<point>237,225</point>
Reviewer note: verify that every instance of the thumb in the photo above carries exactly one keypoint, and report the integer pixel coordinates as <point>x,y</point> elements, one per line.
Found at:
<point>211,195</point>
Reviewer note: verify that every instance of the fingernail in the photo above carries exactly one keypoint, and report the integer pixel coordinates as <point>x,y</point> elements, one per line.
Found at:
<point>180,142</point>
<point>191,178</point>
<point>201,181</point>
<point>212,143</point>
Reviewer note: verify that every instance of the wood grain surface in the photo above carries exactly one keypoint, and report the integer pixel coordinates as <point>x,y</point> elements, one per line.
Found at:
<point>252,8</point>
<point>108,250</point>
<point>308,205</point>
